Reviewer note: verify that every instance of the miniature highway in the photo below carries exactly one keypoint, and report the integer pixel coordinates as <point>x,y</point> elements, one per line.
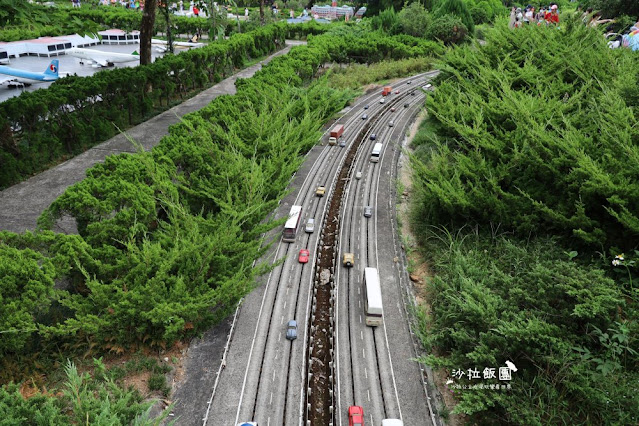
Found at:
<point>368,375</point>
<point>265,374</point>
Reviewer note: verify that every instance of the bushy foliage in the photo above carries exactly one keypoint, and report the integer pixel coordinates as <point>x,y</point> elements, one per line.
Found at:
<point>496,299</point>
<point>534,142</point>
<point>25,293</point>
<point>448,29</point>
<point>81,400</point>
<point>39,410</point>
<point>537,138</point>
<point>387,21</point>
<point>357,75</point>
<point>456,8</point>
<point>112,100</point>
<point>479,14</point>
<point>613,8</point>
<point>414,20</point>
<point>485,11</point>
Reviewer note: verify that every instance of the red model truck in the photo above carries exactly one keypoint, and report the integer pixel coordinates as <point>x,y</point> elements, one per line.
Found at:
<point>336,133</point>
<point>387,91</point>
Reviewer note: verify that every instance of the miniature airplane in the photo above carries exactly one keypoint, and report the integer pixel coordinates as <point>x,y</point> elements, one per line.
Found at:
<point>99,58</point>
<point>23,77</point>
<point>162,48</point>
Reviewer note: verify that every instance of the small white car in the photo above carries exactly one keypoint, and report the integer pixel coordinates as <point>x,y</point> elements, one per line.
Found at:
<point>310,226</point>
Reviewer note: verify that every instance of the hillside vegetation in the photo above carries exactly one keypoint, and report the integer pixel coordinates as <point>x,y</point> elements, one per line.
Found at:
<point>528,209</point>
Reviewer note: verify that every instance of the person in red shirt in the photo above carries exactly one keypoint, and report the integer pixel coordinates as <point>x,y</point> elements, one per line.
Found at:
<point>196,11</point>
<point>553,16</point>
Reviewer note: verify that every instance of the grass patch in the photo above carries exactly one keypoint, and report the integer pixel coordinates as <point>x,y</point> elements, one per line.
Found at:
<point>357,75</point>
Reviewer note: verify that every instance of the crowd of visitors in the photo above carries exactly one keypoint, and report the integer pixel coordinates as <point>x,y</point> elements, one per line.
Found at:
<point>550,16</point>
<point>129,4</point>
<point>545,16</point>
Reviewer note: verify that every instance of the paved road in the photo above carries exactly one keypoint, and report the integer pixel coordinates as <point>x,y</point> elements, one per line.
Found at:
<point>22,204</point>
<point>375,367</point>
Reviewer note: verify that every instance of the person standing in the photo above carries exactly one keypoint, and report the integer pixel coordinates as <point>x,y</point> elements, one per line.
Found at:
<point>529,16</point>
<point>196,11</point>
<point>554,15</point>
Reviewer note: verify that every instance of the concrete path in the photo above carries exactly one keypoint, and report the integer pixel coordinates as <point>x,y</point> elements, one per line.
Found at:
<point>22,204</point>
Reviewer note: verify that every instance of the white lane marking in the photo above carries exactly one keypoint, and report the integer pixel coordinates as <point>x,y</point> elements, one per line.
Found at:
<point>360,319</point>
<point>368,393</point>
<point>363,353</point>
<point>282,322</point>
<point>361,334</point>
<point>366,373</point>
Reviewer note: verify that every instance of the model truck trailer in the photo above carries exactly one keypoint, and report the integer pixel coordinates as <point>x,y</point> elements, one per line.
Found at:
<point>335,134</point>
<point>387,90</point>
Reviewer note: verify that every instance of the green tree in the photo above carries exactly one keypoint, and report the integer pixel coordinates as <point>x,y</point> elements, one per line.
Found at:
<point>457,8</point>
<point>414,20</point>
<point>448,29</point>
<point>387,21</point>
<point>614,8</point>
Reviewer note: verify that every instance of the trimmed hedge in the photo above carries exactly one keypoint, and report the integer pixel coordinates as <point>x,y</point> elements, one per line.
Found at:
<point>76,113</point>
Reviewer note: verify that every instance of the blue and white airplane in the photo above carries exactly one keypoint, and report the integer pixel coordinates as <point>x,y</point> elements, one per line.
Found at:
<point>22,77</point>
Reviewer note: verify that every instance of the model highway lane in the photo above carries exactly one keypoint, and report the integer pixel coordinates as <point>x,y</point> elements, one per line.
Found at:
<point>264,375</point>
<point>366,370</point>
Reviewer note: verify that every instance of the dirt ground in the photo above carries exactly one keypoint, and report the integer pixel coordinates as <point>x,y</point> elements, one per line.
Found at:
<point>420,271</point>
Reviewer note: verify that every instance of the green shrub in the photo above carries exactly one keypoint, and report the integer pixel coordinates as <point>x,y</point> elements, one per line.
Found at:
<point>157,382</point>
<point>39,410</point>
<point>537,156</point>
<point>497,299</point>
<point>414,20</point>
<point>457,8</point>
<point>387,21</point>
<point>480,15</point>
<point>447,28</point>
